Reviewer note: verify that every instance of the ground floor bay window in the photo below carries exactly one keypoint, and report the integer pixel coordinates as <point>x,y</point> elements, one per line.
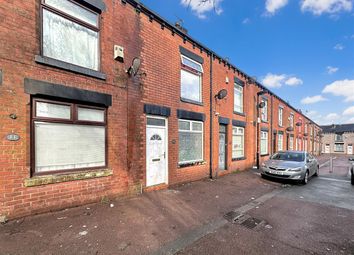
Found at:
<point>238,138</point>
<point>67,136</point>
<point>264,143</point>
<point>190,135</point>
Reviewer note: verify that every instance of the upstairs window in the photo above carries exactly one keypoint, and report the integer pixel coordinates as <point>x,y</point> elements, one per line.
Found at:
<point>70,33</point>
<point>191,80</point>
<point>280,116</point>
<point>291,120</point>
<point>238,98</point>
<point>264,110</point>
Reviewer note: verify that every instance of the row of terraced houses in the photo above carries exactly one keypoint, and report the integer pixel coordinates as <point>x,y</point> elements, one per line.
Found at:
<point>102,98</point>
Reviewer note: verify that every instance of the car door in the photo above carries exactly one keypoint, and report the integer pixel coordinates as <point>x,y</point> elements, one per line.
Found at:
<point>309,163</point>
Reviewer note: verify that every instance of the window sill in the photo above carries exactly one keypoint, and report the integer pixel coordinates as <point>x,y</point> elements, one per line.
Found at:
<point>52,179</point>
<point>197,163</point>
<point>69,67</point>
<point>185,100</point>
<point>239,159</point>
<point>265,121</point>
<point>264,155</point>
<point>240,113</point>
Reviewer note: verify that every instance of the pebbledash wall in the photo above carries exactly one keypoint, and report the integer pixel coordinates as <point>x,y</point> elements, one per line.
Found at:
<point>30,78</point>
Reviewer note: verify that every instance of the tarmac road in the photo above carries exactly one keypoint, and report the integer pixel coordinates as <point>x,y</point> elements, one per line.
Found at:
<point>317,218</point>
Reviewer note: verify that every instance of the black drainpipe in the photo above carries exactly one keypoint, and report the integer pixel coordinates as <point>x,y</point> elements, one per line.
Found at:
<point>211,116</point>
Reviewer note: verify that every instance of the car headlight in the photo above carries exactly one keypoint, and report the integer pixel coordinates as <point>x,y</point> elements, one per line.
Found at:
<point>298,169</point>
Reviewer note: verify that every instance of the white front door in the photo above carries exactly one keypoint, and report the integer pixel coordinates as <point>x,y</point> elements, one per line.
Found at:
<point>327,148</point>
<point>350,149</point>
<point>156,151</point>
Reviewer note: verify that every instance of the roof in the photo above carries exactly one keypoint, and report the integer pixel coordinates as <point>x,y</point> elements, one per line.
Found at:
<point>336,128</point>
<point>164,23</point>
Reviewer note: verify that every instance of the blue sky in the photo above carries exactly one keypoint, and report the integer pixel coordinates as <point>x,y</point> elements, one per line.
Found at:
<point>303,50</point>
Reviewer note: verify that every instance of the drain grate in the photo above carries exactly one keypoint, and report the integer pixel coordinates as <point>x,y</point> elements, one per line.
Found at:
<point>232,216</point>
<point>251,223</point>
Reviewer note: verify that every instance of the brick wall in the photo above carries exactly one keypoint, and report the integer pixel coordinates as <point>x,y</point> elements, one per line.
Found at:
<point>17,54</point>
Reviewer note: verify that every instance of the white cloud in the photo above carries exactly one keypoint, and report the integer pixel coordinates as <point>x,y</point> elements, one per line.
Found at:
<point>349,121</point>
<point>246,21</point>
<point>332,70</point>
<point>313,99</point>
<point>278,80</point>
<point>331,118</point>
<point>274,80</point>
<point>201,8</point>
<point>338,46</point>
<point>272,6</point>
<point>349,111</point>
<point>344,88</point>
<point>293,81</point>
<point>318,7</point>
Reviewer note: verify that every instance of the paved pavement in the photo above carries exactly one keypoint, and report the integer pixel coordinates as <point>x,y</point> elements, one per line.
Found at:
<point>139,225</point>
<point>189,219</point>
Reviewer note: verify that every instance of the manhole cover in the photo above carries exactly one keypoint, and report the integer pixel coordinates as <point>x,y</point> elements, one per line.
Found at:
<point>251,223</point>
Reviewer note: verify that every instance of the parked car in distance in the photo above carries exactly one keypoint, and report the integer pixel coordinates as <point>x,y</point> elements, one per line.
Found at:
<point>352,171</point>
<point>291,165</point>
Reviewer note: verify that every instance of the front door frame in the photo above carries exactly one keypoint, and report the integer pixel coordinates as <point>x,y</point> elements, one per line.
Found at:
<point>225,149</point>
<point>166,147</point>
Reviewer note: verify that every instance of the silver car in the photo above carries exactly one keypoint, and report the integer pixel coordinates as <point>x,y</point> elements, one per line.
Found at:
<point>292,165</point>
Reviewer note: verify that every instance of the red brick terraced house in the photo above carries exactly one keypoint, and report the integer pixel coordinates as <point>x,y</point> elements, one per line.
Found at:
<point>80,123</point>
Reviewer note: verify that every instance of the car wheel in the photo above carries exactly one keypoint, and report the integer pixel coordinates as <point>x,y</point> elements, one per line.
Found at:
<point>317,171</point>
<point>306,178</point>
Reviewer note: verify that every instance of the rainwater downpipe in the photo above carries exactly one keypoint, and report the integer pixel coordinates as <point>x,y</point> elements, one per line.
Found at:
<point>211,117</point>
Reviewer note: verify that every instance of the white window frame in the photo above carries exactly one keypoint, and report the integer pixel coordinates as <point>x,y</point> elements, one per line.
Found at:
<point>280,116</point>
<point>77,20</point>
<point>235,134</point>
<point>291,143</point>
<point>291,120</point>
<point>280,142</point>
<point>192,131</point>
<point>264,138</point>
<point>238,89</point>
<point>191,70</point>
<point>264,110</point>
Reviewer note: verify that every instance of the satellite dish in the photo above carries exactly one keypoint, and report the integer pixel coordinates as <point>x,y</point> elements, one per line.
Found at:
<point>221,94</point>
<point>261,105</point>
<point>134,69</point>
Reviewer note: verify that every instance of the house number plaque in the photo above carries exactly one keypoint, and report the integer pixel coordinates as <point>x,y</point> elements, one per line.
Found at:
<point>13,137</point>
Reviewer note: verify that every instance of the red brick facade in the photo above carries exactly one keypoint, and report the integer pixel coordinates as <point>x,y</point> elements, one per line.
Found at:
<point>158,44</point>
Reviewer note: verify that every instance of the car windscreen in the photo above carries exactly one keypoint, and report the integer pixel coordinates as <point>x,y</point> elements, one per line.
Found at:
<point>289,156</point>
